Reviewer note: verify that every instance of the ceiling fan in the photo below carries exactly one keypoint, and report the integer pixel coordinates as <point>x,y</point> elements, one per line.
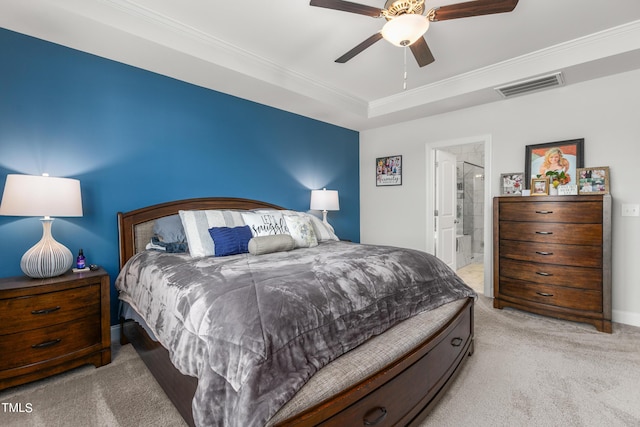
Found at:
<point>406,23</point>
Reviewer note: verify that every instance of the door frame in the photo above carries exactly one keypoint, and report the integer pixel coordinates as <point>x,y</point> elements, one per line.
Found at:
<point>430,178</point>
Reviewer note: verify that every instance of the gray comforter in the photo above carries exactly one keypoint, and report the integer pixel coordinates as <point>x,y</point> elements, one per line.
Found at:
<point>254,329</point>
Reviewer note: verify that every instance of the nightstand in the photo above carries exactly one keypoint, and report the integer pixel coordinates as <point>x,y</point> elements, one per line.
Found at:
<point>48,326</point>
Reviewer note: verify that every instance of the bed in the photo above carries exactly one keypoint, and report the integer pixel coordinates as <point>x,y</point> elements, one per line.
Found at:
<point>391,375</point>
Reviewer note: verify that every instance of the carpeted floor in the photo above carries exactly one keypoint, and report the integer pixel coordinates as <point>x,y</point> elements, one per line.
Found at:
<point>120,394</point>
<point>527,370</point>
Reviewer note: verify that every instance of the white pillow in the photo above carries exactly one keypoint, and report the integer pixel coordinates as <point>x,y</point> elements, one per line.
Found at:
<point>323,230</point>
<point>196,226</point>
<point>301,230</point>
<point>266,223</point>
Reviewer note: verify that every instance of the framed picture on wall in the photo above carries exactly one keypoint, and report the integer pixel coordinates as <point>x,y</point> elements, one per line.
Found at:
<point>561,156</point>
<point>388,171</point>
<point>511,184</point>
<point>593,180</point>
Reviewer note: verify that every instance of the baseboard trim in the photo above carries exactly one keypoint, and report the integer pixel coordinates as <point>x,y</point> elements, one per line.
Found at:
<point>115,334</point>
<point>626,317</point>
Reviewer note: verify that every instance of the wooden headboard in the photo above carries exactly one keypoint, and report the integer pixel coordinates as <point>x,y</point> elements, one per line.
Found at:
<point>134,227</point>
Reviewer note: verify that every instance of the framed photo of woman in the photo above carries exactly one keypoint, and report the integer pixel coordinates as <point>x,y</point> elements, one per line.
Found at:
<point>561,156</point>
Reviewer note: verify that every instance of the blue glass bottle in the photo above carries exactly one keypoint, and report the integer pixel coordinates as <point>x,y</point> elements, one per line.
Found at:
<point>80,260</point>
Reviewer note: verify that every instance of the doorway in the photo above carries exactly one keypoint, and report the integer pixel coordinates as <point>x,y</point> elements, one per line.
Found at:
<point>473,232</point>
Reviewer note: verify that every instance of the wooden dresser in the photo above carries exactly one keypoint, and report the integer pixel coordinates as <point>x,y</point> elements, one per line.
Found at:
<point>552,256</point>
<point>48,326</point>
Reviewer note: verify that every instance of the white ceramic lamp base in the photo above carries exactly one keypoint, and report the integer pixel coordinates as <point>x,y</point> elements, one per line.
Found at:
<point>47,258</point>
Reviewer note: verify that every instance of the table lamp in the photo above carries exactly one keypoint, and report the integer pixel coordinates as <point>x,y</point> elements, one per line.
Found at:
<point>324,200</point>
<point>31,195</point>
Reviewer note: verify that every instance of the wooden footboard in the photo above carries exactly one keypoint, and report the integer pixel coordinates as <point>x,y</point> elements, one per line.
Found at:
<point>402,393</point>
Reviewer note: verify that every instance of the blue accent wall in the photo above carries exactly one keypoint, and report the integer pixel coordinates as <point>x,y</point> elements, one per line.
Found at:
<point>134,138</point>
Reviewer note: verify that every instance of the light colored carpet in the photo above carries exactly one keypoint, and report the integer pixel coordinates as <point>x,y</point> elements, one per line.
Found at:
<point>527,370</point>
<point>120,394</point>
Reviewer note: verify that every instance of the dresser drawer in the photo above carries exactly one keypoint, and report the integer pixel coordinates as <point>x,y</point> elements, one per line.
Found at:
<point>567,212</point>
<point>549,232</point>
<point>559,296</point>
<point>39,345</point>
<point>41,310</point>
<point>549,274</point>
<point>393,400</point>
<point>552,253</point>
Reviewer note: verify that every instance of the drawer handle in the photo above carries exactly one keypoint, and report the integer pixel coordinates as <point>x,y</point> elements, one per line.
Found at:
<point>383,414</point>
<point>544,212</point>
<point>544,294</point>
<point>46,343</point>
<point>546,233</point>
<point>542,273</point>
<point>46,310</point>
<point>544,253</point>
<point>456,342</point>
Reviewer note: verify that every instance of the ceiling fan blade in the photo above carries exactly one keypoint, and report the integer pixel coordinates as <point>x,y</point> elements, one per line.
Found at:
<point>474,8</point>
<point>421,52</point>
<point>362,46</point>
<point>347,6</point>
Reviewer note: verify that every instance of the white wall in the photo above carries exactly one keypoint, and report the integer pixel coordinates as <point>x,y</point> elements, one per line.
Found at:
<point>605,112</point>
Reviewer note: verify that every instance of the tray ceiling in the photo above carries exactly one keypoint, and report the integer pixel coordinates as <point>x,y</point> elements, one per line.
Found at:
<point>281,53</point>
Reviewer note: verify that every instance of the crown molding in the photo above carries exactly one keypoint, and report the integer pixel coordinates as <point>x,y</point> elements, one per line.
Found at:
<point>222,53</point>
<point>613,41</point>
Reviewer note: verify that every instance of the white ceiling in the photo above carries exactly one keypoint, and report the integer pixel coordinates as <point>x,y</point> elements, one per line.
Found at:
<point>281,53</point>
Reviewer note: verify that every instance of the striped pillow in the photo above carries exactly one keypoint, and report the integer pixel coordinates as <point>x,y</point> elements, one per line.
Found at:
<point>197,224</point>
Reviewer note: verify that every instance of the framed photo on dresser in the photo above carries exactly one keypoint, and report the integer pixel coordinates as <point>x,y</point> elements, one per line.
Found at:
<point>561,156</point>
<point>511,184</point>
<point>593,180</point>
<point>540,186</point>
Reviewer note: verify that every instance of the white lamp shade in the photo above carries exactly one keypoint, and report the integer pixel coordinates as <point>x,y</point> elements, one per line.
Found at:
<point>405,29</point>
<point>32,195</point>
<point>325,200</point>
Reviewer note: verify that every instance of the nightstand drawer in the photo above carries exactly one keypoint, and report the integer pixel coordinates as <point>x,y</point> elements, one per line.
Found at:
<point>37,311</point>
<point>578,299</point>
<point>38,345</point>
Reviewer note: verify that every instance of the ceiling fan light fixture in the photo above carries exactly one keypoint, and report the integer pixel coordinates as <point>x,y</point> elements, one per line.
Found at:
<point>405,29</point>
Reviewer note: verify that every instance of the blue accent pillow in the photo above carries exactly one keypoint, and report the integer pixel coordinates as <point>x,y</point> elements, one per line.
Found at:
<point>230,240</point>
<point>169,229</point>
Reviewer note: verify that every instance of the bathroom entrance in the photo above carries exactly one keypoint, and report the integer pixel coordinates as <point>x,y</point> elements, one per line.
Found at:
<point>469,213</point>
<point>470,233</point>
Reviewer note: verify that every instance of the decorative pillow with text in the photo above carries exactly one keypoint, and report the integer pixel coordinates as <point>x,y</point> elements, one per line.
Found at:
<point>266,224</point>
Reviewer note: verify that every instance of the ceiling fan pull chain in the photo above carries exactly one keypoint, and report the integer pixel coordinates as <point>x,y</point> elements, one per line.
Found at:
<point>404,83</point>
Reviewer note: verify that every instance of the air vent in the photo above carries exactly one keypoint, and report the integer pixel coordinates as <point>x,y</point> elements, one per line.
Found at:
<point>531,85</point>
